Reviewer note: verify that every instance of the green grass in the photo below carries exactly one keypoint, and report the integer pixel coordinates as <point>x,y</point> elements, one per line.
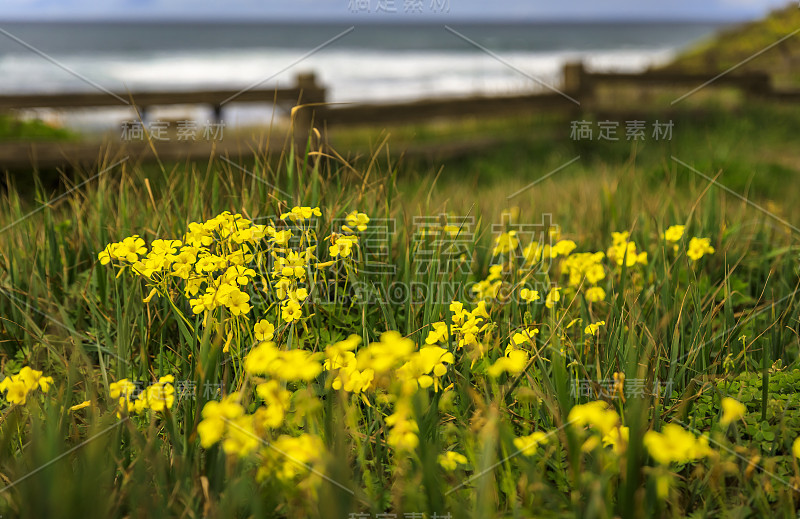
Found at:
<point>670,320</point>
<point>768,37</point>
<point>14,129</point>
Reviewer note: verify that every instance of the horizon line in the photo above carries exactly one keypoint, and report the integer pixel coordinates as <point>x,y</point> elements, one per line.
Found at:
<point>399,19</point>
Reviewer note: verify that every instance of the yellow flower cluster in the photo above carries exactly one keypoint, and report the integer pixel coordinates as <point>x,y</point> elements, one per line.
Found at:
<point>674,233</point>
<point>586,268</point>
<point>211,260</point>
<point>159,396</point>
<point>356,220</point>
<point>513,362</point>
<point>226,421</point>
<point>600,418</point>
<point>624,250</point>
<point>128,250</point>
<point>393,355</point>
<point>489,288</point>
<point>341,359</point>
<point>505,243</point>
<point>450,460</point>
<point>216,261</point>
<point>425,368</point>
<point>404,431</point>
<point>699,247</point>
<point>18,386</point>
<point>675,445</point>
<point>380,359</point>
<point>301,214</point>
<point>467,327</point>
<point>527,444</point>
<point>288,365</point>
<point>290,458</point>
<point>581,269</point>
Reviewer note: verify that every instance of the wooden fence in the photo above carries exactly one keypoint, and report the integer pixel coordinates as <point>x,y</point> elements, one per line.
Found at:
<point>577,92</point>
<point>306,90</point>
<point>306,99</point>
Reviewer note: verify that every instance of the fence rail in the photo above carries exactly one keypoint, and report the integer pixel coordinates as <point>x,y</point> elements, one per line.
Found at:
<point>306,90</point>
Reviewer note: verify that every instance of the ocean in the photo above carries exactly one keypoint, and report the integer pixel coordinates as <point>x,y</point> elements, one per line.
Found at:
<point>370,63</point>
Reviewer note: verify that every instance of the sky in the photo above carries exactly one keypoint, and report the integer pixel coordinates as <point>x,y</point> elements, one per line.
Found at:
<point>386,10</point>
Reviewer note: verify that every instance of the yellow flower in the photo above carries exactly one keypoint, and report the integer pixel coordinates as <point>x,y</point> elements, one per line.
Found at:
<point>281,238</point>
<point>291,311</point>
<point>386,354</point>
<point>122,391</point>
<point>403,429</point>
<point>529,295</point>
<point>732,411</point>
<point>673,233</point>
<point>357,220</point>
<point>139,405</point>
<point>457,309</point>
<point>343,246</point>
<point>238,274</point>
<point>264,330</point>
<point>505,243</point>
<point>293,265</point>
<point>426,367</point>
<point>562,248</point>
<point>624,250</point>
<point>32,379</point>
<point>286,365</point>
<point>296,365</point>
<point>260,358</point>
<point>438,333</point>
<point>617,438</point>
<point>240,438</point>
<point>450,460</point>
<point>277,402</point>
<point>675,444</point>
<point>215,419</point>
<point>513,362</point>
<point>553,297</point>
<point>598,415</point>
<point>526,445</point>
<point>532,253</point>
<point>17,392</point>
<point>299,214</point>
<point>44,383</point>
<point>289,458</point>
<point>619,238</point>
<point>593,328</point>
<point>121,388</point>
<point>526,335</point>
<point>237,301</point>
<point>699,247</point>
<point>106,255</point>
<point>130,249</point>
<point>595,294</point>
<point>82,405</point>
<point>161,395</point>
<point>796,447</point>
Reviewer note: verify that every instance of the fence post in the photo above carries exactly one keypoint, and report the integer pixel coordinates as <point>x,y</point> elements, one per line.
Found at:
<point>303,121</point>
<point>759,84</point>
<point>577,82</point>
